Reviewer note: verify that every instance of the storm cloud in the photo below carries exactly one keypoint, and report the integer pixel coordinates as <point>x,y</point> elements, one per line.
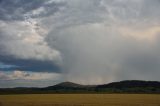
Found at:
<point>86,41</point>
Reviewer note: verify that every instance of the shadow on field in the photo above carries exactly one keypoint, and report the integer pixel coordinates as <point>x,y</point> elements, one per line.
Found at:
<point>1,104</point>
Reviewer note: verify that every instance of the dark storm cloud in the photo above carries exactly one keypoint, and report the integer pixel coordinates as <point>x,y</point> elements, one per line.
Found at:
<point>28,65</point>
<point>16,9</point>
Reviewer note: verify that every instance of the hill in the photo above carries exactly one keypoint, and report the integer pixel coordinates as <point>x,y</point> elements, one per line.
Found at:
<point>130,86</point>
<point>66,85</point>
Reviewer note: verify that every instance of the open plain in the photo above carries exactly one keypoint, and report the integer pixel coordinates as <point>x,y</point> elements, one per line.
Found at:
<point>80,100</point>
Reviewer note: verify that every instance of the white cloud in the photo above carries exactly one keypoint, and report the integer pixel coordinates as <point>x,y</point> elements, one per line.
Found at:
<point>25,40</point>
<point>23,75</point>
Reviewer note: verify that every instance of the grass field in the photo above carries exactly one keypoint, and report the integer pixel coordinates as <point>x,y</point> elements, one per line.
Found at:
<point>80,100</point>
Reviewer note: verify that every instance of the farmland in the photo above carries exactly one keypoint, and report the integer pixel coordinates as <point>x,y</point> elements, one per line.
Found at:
<point>80,100</point>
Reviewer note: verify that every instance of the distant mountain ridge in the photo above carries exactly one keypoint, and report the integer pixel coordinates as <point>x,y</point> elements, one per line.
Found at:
<point>128,86</point>
<point>131,83</point>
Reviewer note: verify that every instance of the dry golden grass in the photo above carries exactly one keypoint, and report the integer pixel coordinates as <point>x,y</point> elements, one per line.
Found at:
<point>80,100</point>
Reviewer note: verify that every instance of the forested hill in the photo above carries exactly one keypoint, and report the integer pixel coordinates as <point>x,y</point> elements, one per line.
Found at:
<point>130,86</point>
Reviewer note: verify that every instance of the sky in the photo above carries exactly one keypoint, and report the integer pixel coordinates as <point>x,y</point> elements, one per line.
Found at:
<point>44,42</point>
